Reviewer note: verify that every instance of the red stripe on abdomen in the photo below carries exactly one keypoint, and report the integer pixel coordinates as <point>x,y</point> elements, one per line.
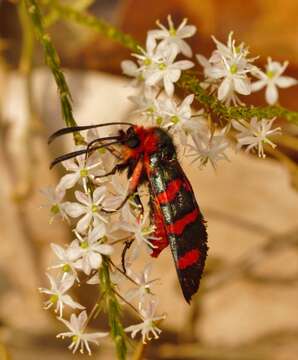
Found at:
<point>170,193</point>
<point>188,259</point>
<point>178,226</point>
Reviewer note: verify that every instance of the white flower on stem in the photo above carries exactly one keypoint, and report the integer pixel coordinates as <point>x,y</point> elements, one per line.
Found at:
<point>228,67</point>
<point>90,249</point>
<point>255,134</point>
<point>58,297</point>
<point>174,36</point>
<point>142,232</point>
<point>145,60</point>
<point>114,198</point>
<point>66,261</point>
<point>272,79</point>
<point>148,325</point>
<point>209,147</point>
<point>80,339</point>
<point>81,169</point>
<point>165,71</point>
<point>179,118</point>
<point>147,105</point>
<point>143,283</point>
<point>88,206</point>
<point>55,203</point>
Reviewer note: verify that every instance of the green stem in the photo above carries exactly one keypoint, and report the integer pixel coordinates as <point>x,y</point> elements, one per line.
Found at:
<point>113,308</point>
<point>190,83</point>
<point>53,61</point>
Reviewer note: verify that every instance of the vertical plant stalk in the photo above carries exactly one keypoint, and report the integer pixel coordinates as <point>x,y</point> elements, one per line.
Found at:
<point>53,61</point>
<point>113,308</point>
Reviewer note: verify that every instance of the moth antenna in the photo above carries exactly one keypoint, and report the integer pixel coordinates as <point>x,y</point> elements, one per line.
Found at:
<point>73,154</point>
<point>72,129</point>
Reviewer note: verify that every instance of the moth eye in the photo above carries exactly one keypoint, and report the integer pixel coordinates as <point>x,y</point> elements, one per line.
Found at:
<point>133,142</point>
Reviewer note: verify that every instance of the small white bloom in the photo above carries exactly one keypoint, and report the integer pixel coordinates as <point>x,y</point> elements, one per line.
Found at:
<point>81,170</point>
<point>89,250</point>
<point>143,233</point>
<point>148,325</point>
<point>55,203</point>
<point>89,206</point>
<point>58,296</point>
<point>174,36</point>
<point>145,60</point>
<point>209,147</point>
<point>165,71</point>
<point>80,339</point>
<point>66,260</point>
<point>179,119</point>
<point>147,105</point>
<point>255,134</point>
<point>144,283</point>
<point>273,79</point>
<point>227,68</point>
<point>119,193</point>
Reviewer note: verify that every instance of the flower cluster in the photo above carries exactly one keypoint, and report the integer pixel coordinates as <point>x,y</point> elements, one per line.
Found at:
<point>228,74</point>
<point>99,230</point>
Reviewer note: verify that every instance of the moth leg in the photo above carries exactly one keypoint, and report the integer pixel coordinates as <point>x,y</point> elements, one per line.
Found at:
<point>118,167</point>
<point>127,245</point>
<point>133,184</point>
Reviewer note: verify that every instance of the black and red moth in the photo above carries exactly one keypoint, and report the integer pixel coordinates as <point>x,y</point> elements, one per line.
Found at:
<point>149,156</point>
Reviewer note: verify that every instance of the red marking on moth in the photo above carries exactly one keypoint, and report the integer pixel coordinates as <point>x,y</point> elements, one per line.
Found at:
<point>188,259</point>
<point>178,226</point>
<point>171,191</point>
<point>135,178</point>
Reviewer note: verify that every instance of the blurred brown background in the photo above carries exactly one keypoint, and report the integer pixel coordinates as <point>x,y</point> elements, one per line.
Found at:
<point>248,306</point>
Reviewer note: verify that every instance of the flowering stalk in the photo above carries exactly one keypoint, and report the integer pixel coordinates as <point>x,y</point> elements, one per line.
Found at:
<point>187,81</point>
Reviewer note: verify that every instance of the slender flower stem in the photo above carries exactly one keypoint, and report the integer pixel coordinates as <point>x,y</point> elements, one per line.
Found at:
<point>113,309</point>
<point>53,61</point>
<point>189,82</point>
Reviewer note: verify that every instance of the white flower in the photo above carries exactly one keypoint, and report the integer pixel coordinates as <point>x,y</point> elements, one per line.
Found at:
<point>148,325</point>
<point>88,206</point>
<point>174,36</point>
<point>145,61</point>
<point>273,79</point>
<point>144,284</point>
<point>55,203</point>
<point>255,134</point>
<point>147,105</point>
<point>80,171</point>
<point>179,118</point>
<point>209,147</point>
<point>77,326</point>
<point>165,71</point>
<point>89,250</point>
<point>58,297</point>
<point>66,260</point>
<point>143,233</point>
<point>120,191</point>
<point>228,67</point>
